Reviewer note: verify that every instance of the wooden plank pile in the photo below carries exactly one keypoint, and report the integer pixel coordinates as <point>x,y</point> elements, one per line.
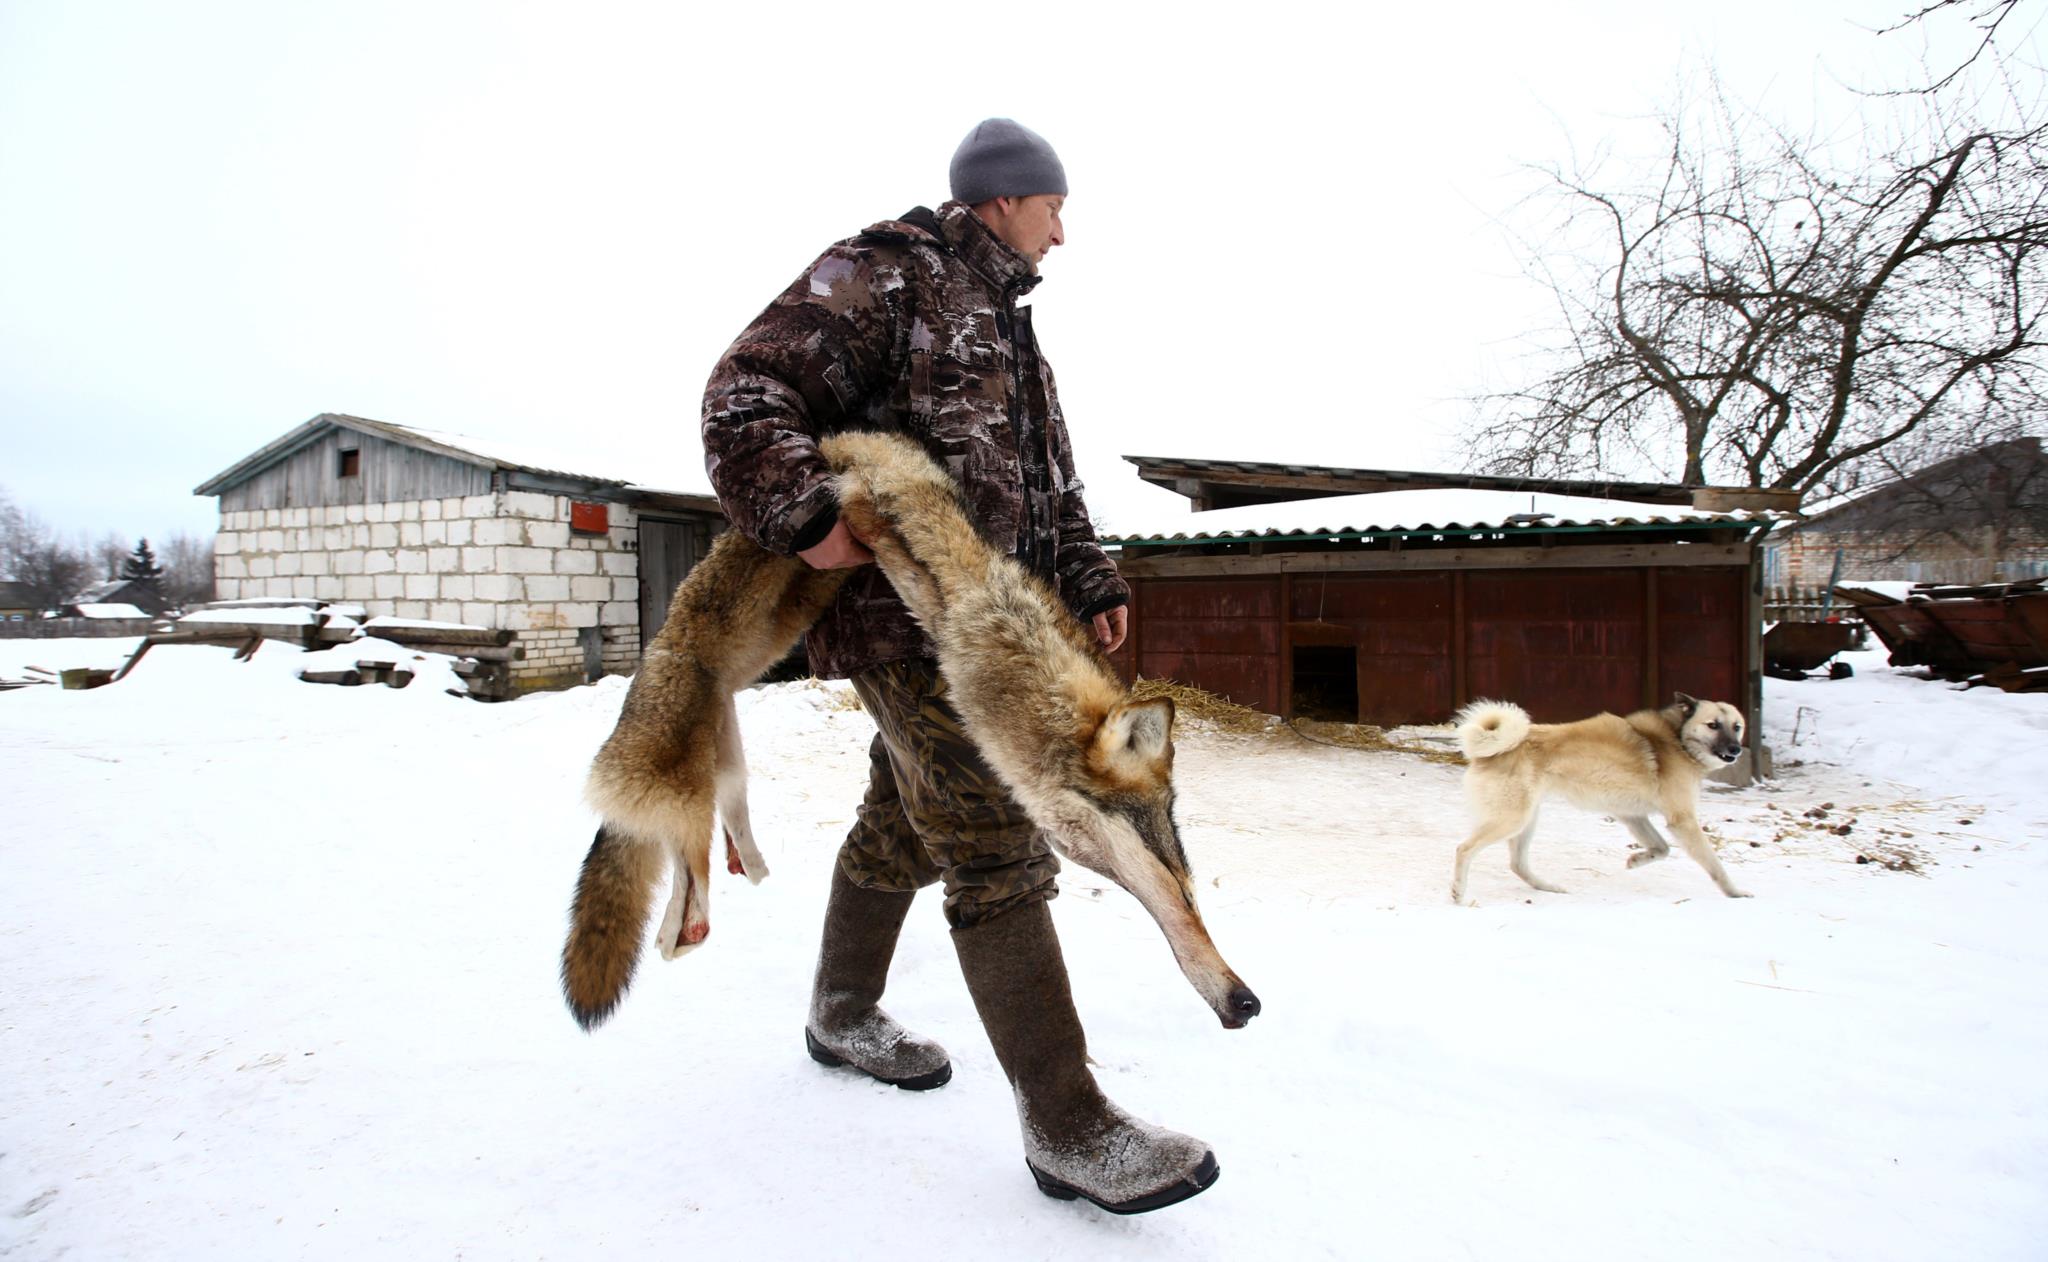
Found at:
<point>367,671</point>
<point>483,656</point>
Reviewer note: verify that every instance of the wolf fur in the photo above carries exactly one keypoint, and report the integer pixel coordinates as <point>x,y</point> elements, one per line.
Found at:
<point>1649,761</point>
<point>1089,764</point>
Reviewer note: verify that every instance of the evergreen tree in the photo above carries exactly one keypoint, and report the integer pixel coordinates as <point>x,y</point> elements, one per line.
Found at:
<point>142,566</point>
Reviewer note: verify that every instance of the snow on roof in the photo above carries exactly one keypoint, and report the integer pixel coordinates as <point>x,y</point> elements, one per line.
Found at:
<point>91,610</point>
<point>1391,512</point>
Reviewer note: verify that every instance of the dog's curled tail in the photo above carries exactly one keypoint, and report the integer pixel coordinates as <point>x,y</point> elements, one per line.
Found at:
<point>606,922</point>
<point>1490,728</point>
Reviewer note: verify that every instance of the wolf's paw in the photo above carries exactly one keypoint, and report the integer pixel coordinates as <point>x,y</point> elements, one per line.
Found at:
<point>1637,858</point>
<point>1732,892</point>
<point>684,926</point>
<point>753,866</point>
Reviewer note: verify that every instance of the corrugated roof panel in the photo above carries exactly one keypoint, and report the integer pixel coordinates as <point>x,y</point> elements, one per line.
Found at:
<point>1440,511</point>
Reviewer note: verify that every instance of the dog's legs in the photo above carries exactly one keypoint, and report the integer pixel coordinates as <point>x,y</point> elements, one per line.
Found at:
<point>1491,830</point>
<point>1518,857</point>
<point>1702,851</point>
<point>742,856</point>
<point>1654,846</point>
<point>687,922</point>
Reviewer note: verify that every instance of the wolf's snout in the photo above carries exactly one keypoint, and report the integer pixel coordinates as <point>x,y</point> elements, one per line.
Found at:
<point>1239,1008</point>
<point>1730,755</point>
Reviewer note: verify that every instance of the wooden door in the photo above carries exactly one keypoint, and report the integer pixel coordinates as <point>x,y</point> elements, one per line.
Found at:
<point>669,546</point>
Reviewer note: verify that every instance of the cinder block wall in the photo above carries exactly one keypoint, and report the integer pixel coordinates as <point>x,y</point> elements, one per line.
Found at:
<point>506,561</point>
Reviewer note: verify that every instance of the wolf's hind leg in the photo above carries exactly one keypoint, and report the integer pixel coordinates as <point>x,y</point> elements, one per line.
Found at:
<point>1654,846</point>
<point>742,856</point>
<point>1702,852</point>
<point>687,921</point>
<point>1518,857</point>
<point>1486,833</point>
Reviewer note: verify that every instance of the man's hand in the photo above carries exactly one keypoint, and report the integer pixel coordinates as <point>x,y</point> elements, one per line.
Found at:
<point>838,550</point>
<point>1110,626</point>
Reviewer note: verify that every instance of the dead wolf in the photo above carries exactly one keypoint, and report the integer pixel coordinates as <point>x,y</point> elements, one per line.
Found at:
<point>1089,764</point>
<point>1652,760</point>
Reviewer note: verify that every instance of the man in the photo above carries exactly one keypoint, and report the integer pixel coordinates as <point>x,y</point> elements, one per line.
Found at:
<point>913,326</point>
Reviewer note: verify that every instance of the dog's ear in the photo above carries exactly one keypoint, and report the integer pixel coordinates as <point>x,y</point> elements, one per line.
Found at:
<point>1690,704</point>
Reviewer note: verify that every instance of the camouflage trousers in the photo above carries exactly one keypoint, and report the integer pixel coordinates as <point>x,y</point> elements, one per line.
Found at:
<point>934,810</point>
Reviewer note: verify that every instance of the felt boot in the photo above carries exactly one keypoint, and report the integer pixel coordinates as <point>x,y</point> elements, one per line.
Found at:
<point>1076,1143</point>
<point>845,1026</point>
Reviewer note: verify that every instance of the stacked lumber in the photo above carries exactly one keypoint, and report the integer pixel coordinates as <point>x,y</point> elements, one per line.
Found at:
<point>483,656</point>
<point>367,671</point>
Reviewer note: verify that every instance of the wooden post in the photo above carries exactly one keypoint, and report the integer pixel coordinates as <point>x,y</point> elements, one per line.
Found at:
<point>1286,710</point>
<point>1751,670</point>
<point>1136,632</point>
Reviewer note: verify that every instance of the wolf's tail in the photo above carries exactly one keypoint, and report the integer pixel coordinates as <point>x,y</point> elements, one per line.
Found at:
<point>606,922</point>
<point>1490,728</point>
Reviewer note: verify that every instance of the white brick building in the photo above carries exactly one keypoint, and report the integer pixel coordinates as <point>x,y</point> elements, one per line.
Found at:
<point>418,524</point>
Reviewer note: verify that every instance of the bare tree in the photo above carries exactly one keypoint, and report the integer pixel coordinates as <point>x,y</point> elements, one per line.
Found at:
<point>1987,17</point>
<point>109,557</point>
<point>1769,312</point>
<point>33,554</point>
<point>188,569</point>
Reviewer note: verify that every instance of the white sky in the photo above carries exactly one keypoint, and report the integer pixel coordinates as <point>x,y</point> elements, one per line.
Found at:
<point>1290,226</point>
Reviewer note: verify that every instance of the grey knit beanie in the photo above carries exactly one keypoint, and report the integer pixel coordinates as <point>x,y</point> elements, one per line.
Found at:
<point>1004,158</point>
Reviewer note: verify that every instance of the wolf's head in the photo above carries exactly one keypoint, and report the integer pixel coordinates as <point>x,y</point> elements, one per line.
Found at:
<point>1117,819</point>
<point>1711,731</point>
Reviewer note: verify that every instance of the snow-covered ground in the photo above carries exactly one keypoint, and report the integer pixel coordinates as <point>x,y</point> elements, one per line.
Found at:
<point>277,980</point>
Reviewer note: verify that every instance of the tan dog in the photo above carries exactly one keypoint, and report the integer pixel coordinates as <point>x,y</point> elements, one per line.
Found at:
<point>1091,765</point>
<point>1650,761</point>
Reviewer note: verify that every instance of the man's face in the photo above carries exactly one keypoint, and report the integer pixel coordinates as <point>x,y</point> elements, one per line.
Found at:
<point>1028,225</point>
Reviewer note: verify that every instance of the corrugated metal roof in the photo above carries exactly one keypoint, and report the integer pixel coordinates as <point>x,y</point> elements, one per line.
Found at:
<point>1433,512</point>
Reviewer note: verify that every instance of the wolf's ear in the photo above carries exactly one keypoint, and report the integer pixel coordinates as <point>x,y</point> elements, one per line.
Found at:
<point>1139,729</point>
<point>1690,703</point>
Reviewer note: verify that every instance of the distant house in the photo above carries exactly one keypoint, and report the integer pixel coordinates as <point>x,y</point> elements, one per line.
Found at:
<point>420,524</point>
<point>144,597</point>
<point>1975,518</point>
<point>18,602</point>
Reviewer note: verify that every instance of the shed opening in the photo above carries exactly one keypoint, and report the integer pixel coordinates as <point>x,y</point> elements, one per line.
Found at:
<point>1325,683</point>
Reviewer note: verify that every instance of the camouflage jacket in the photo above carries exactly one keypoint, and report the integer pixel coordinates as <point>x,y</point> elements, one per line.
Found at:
<point>911,326</point>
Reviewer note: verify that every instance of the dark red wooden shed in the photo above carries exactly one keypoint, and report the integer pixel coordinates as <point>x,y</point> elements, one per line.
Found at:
<point>1609,596</point>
